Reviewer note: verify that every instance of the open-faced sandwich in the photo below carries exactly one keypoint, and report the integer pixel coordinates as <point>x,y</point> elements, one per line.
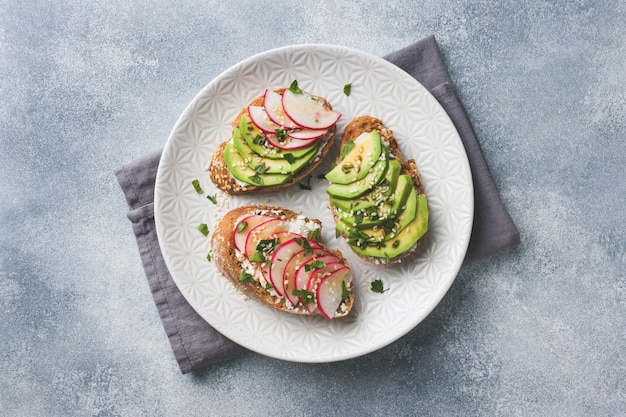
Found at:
<point>376,197</point>
<point>277,140</point>
<point>274,255</point>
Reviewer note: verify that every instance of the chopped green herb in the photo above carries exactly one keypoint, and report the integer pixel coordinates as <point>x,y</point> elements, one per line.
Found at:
<point>242,226</point>
<point>261,169</point>
<point>258,140</point>
<point>316,264</point>
<point>290,158</point>
<point>358,217</point>
<point>294,87</point>
<point>268,286</point>
<point>256,179</point>
<point>308,296</point>
<point>203,228</point>
<point>208,256</point>
<point>267,245</point>
<point>377,286</point>
<point>315,234</point>
<point>197,187</point>
<point>281,135</point>
<point>346,148</point>
<point>257,257</point>
<point>212,198</point>
<point>304,243</point>
<point>347,89</point>
<point>395,244</point>
<point>246,277</point>
<point>347,168</point>
<point>344,290</point>
<point>306,186</point>
<point>337,234</point>
<point>333,165</point>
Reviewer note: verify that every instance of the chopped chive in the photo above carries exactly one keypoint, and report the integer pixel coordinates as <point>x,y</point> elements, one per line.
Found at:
<point>344,291</point>
<point>290,158</point>
<point>242,226</point>
<point>347,89</point>
<point>346,148</point>
<point>212,198</point>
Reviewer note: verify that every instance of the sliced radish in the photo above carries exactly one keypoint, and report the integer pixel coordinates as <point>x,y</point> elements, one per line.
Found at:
<point>280,258</point>
<point>239,238</point>
<point>289,143</point>
<point>260,119</point>
<point>306,112</point>
<point>294,263</point>
<point>329,292</point>
<point>281,237</point>
<point>317,276</point>
<point>303,276</point>
<point>263,231</point>
<point>307,134</point>
<point>272,101</point>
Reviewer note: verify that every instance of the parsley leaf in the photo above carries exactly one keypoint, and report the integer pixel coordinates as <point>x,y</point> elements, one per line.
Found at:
<point>256,179</point>
<point>267,245</point>
<point>208,257</point>
<point>304,243</point>
<point>212,198</point>
<point>346,149</point>
<point>294,87</point>
<point>242,226</point>
<point>281,135</point>
<point>315,234</point>
<point>257,257</point>
<point>203,228</point>
<point>261,169</point>
<point>377,286</point>
<point>290,158</point>
<point>316,264</point>
<point>197,187</point>
<point>347,89</point>
<point>308,296</point>
<point>246,277</point>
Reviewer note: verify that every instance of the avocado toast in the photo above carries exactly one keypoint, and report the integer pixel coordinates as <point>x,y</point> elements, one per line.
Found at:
<point>377,198</point>
<point>278,139</point>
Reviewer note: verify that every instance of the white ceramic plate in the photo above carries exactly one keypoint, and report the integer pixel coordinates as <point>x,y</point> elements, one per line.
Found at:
<point>424,133</point>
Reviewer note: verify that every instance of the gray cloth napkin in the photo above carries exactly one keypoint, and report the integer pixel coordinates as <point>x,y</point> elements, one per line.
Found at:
<point>194,342</point>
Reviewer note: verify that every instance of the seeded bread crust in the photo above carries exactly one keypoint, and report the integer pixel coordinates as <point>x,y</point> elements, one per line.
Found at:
<point>223,179</point>
<point>365,124</point>
<point>223,254</point>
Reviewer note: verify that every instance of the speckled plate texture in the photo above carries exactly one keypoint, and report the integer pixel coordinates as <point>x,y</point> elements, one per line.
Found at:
<point>424,133</point>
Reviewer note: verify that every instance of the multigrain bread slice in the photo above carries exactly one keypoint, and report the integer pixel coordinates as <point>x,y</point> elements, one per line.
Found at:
<point>251,278</point>
<point>225,181</point>
<point>365,124</point>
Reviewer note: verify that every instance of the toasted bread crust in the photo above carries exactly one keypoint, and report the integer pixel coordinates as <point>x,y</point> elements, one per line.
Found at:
<point>364,124</point>
<point>223,254</point>
<point>223,179</point>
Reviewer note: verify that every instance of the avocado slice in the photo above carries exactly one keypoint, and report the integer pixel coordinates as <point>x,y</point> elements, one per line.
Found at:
<point>357,162</point>
<point>240,170</point>
<point>254,138</point>
<point>405,239</point>
<point>388,209</point>
<point>377,196</point>
<point>361,186</point>
<point>268,165</point>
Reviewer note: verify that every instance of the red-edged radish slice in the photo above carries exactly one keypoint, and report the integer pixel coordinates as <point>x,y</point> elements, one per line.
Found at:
<point>303,276</point>
<point>329,292</point>
<point>294,263</point>
<point>239,237</point>
<point>307,134</point>
<point>281,237</point>
<point>263,231</point>
<point>288,143</point>
<point>280,258</point>
<point>317,276</point>
<point>272,102</point>
<point>260,119</point>
<point>306,112</point>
